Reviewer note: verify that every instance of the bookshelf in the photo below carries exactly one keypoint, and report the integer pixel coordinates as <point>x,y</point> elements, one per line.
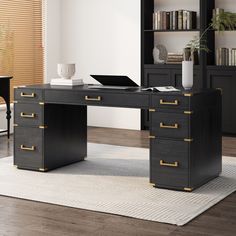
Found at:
<point>206,74</point>
<point>174,41</point>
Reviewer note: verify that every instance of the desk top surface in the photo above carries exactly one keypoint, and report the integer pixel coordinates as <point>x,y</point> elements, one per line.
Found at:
<point>85,88</point>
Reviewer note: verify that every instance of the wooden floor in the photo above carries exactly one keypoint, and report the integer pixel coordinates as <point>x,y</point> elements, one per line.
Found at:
<point>26,218</point>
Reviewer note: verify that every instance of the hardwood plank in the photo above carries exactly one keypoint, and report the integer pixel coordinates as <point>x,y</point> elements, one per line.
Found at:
<point>27,218</point>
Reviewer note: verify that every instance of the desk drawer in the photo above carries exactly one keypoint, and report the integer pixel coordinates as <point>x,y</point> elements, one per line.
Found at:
<point>28,147</point>
<point>171,102</point>
<point>172,125</point>
<point>28,114</point>
<point>99,99</point>
<point>28,95</point>
<point>170,163</point>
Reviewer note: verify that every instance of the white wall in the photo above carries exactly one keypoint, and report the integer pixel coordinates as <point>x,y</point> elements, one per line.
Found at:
<point>52,37</point>
<point>103,37</point>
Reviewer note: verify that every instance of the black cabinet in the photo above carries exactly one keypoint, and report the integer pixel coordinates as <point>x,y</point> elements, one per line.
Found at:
<point>224,78</point>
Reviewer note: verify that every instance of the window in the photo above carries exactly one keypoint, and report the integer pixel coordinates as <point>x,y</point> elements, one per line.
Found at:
<point>21,48</point>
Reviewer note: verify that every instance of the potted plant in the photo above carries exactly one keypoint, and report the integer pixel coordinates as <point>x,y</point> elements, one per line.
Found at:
<point>221,21</point>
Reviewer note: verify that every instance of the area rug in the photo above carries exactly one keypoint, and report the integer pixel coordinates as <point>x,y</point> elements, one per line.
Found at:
<point>114,180</point>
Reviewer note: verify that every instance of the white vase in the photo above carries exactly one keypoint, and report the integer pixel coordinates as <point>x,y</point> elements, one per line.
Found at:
<point>187,74</point>
<point>66,71</point>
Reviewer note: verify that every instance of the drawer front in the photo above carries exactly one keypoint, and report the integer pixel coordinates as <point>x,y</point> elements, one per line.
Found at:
<point>173,125</point>
<point>170,102</point>
<point>28,114</point>
<point>169,163</point>
<point>28,95</point>
<point>28,147</point>
<point>99,99</point>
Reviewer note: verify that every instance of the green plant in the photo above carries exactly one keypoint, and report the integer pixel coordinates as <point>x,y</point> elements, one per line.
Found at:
<point>220,22</point>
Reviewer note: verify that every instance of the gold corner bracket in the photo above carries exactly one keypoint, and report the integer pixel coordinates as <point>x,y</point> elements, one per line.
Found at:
<point>188,140</point>
<point>188,112</point>
<point>41,103</point>
<point>152,110</point>
<point>188,94</point>
<point>188,189</point>
<point>43,169</point>
<point>43,127</point>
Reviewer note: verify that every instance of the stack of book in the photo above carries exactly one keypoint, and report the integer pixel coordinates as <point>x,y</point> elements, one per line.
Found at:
<point>174,58</point>
<point>67,82</point>
<point>225,56</point>
<point>174,20</point>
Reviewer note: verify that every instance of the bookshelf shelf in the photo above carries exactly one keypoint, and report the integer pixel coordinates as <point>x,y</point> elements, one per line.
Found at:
<point>191,30</point>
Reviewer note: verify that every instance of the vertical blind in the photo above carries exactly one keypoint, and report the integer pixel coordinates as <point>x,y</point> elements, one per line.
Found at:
<point>21,47</point>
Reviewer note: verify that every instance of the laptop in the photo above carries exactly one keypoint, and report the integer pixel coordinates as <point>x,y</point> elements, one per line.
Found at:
<point>113,82</point>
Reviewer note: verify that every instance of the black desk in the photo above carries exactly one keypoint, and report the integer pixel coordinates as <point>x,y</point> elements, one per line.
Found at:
<point>5,94</point>
<point>185,131</point>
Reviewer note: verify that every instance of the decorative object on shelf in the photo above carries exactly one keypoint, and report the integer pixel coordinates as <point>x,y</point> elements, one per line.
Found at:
<point>187,74</point>
<point>160,54</point>
<point>66,71</point>
<point>174,58</point>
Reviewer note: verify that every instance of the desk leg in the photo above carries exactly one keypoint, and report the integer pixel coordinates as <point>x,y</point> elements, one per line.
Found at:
<point>8,119</point>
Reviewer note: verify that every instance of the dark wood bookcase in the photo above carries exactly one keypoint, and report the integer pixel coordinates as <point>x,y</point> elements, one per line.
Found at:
<point>206,74</point>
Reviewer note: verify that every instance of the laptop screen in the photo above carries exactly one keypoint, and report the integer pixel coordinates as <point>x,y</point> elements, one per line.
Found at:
<point>114,80</point>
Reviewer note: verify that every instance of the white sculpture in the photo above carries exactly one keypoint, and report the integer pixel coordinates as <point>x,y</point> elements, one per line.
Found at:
<point>156,56</point>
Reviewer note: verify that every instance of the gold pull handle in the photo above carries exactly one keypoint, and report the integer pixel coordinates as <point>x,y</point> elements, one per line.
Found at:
<point>24,95</point>
<point>22,147</point>
<point>162,163</point>
<point>32,115</point>
<point>174,103</point>
<point>163,126</point>
<point>99,98</point>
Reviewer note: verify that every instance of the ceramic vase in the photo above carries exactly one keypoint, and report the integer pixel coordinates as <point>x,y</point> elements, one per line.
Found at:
<point>66,71</point>
<point>187,74</point>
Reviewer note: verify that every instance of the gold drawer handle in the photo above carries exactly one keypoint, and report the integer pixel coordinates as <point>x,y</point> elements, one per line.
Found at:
<point>175,103</point>
<point>32,115</point>
<point>98,99</point>
<point>163,126</point>
<point>24,95</point>
<point>22,147</point>
<point>162,163</point>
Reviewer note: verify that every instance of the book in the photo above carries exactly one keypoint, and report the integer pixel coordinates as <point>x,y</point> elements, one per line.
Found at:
<point>159,20</point>
<point>171,20</point>
<point>167,20</point>
<point>66,82</point>
<point>180,19</point>
<point>175,20</point>
<point>163,20</point>
<point>161,89</point>
<point>185,19</point>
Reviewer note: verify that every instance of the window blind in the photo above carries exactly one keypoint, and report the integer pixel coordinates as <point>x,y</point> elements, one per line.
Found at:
<point>21,47</point>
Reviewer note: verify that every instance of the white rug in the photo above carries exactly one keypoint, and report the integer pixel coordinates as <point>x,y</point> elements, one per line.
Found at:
<point>114,179</point>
